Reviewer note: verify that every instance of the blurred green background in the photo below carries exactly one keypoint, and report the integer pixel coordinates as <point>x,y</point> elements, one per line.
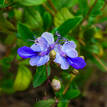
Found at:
<point>83,21</point>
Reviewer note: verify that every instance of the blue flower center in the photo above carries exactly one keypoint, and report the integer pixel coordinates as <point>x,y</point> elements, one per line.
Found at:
<point>51,47</point>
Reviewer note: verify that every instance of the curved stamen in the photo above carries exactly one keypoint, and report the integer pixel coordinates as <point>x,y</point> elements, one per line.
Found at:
<point>61,52</point>
<point>51,47</point>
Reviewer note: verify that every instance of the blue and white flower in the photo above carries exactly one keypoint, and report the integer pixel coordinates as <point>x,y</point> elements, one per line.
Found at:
<point>66,55</point>
<point>39,51</point>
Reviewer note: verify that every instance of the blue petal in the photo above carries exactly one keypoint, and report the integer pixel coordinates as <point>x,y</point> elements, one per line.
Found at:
<point>36,48</point>
<point>48,37</point>
<point>77,63</point>
<point>26,52</point>
<point>62,61</point>
<point>69,45</point>
<point>38,60</point>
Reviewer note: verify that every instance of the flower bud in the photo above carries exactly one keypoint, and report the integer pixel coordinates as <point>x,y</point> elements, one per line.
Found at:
<point>82,57</point>
<point>75,71</point>
<point>52,54</point>
<point>98,35</point>
<point>101,51</point>
<point>56,85</point>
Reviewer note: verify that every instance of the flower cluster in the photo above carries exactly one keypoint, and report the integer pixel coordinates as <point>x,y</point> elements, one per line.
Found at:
<point>66,54</point>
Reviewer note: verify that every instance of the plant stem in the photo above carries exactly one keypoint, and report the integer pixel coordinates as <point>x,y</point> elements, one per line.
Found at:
<point>9,47</point>
<point>52,5</point>
<point>68,85</point>
<point>82,42</point>
<point>104,6</point>
<point>47,74</point>
<point>88,13</point>
<point>97,58</point>
<point>48,9</point>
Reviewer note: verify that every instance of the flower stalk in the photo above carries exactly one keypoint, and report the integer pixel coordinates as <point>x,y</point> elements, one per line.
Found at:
<point>68,85</point>
<point>52,5</point>
<point>48,9</point>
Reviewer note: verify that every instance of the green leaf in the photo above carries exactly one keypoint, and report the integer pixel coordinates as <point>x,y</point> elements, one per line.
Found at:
<point>18,13</point>
<point>45,103</point>
<point>23,78</point>
<point>105,11</point>
<point>97,8</point>
<point>89,34</point>
<point>6,26</point>
<point>24,33</point>
<point>33,19</point>
<point>66,3</point>
<point>31,2</point>
<point>47,20</point>
<point>104,43</point>
<point>10,39</point>
<point>11,14</point>
<point>83,5</point>
<point>99,63</point>
<point>69,25</point>
<point>41,75</point>
<point>24,62</point>
<point>2,3</point>
<point>103,19</point>
<point>6,85</point>
<point>72,93</point>
<point>85,75</point>
<point>91,2</point>
<point>93,49</point>
<point>63,103</point>
<point>61,16</point>
<point>5,63</point>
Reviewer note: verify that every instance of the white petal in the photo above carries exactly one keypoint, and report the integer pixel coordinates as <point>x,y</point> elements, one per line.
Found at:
<point>34,60</point>
<point>43,60</point>
<point>38,60</point>
<point>69,45</point>
<point>71,53</point>
<point>42,42</point>
<point>62,61</point>
<point>48,37</point>
<point>36,48</point>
